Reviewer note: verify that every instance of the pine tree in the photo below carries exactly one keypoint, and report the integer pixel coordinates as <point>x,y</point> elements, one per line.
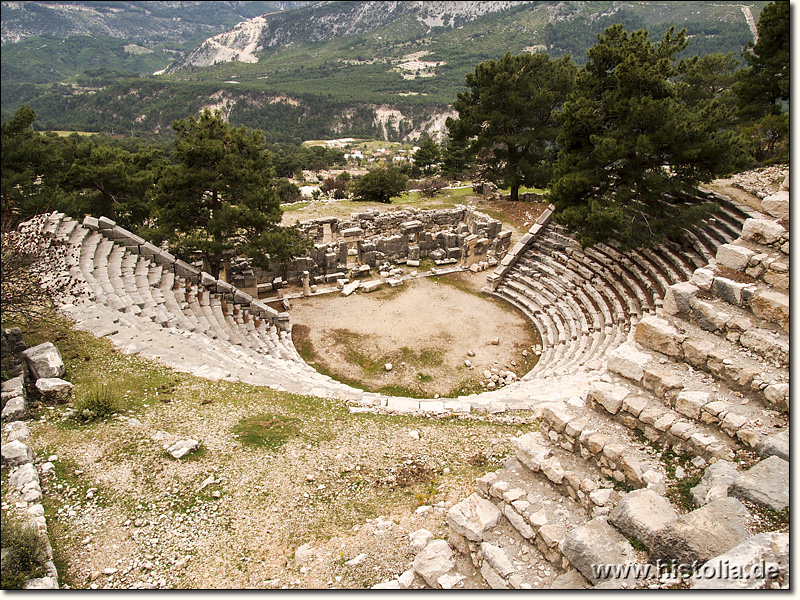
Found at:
<point>220,198</point>
<point>634,139</point>
<point>506,116</point>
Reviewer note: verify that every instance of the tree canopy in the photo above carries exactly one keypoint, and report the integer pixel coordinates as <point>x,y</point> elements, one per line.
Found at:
<point>506,115</point>
<point>219,196</point>
<point>635,138</point>
<point>764,85</point>
<point>379,185</point>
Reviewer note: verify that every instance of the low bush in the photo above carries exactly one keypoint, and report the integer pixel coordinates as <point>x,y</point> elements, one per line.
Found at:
<point>22,548</point>
<point>97,401</point>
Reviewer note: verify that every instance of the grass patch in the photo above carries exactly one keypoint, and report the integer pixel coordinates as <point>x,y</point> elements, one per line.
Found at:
<point>97,400</point>
<point>294,206</point>
<point>681,492</point>
<point>268,431</point>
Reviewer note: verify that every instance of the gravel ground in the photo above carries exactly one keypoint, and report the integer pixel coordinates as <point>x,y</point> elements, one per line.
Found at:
<point>348,489</point>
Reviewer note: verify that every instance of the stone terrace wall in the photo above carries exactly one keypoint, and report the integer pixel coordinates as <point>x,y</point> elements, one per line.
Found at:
<point>448,236</point>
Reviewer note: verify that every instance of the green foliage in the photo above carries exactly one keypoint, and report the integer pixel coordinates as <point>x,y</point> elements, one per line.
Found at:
<point>635,140</point>
<point>506,114</point>
<point>219,197</point>
<point>101,399</point>
<point>268,431</point>
<point>764,86</point>
<point>26,550</point>
<point>380,185</point>
<point>428,156</point>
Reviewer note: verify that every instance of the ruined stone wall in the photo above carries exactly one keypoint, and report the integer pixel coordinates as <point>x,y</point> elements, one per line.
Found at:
<point>449,236</point>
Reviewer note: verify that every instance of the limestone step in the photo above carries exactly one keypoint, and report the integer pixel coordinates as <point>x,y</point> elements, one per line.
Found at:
<point>727,362</point>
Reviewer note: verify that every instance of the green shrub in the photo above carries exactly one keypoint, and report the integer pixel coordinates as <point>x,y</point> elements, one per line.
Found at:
<point>100,399</point>
<point>25,547</point>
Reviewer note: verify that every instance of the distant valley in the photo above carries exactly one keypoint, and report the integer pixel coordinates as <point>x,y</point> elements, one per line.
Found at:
<point>302,70</point>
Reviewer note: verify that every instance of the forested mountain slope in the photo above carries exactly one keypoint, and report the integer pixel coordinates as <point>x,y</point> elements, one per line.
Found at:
<point>313,70</point>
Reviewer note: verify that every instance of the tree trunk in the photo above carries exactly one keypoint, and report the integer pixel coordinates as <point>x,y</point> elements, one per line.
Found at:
<point>514,196</point>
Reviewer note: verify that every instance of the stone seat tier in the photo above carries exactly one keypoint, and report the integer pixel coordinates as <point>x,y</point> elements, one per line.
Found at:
<point>626,277</point>
<point>610,446</point>
<point>677,419</point>
<point>539,319</point>
<point>755,336</point>
<point>536,516</point>
<point>724,360</point>
<point>567,302</point>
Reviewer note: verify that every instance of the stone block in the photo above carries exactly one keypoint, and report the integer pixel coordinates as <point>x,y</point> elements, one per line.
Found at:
<point>767,484</point>
<point>703,278</point>
<point>473,516</point>
<point>733,256</point>
<point>695,351</point>
<point>596,543</point>
<point>532,450</point>
<point>678,297</point>
<point>44,360</point>
<point>689,403</point>
<point>608,395</point>
<point>556,417</point>
<point>642,514</point>
<point>772,306</point>
<point>54,389</point>
<point>15,454</point>
<point>762,231</point>
<point>715,483</point>
<point>703,533</point>
<point>777,205</point>
<point>776,444</point>
<point>659,335</point>
<point>728,290</point>
<point>435,560</point>
<point>767,553</point>
<point>634,404</point>
<point>627,360</point>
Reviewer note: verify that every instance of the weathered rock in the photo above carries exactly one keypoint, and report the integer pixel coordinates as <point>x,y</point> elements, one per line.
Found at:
<point>627,360</point>
<point>734,256</point>
<point>728,290</point>
<point>678,297</point>
<point>497,559</point>
<point>304,553</point>
<point>776,444</point>
<point>44,360</point>
<point>571,580</point>
<point>767,484</point>
<point>532,450</point>
<point>608,395</point>
<point>183,447</point>
<point>473,516</point>
<point>17,430</point>
<point>762,231</point>
<point>16,407</point>
<point>42,583</point>
<point>777,205</point>
<point>657,334</point>
<point>434,561</point>
<point>54,389</point>
<point>596,543</point>
<point>703,533</point>
<point>23,476</point>
<point>420,538</point>
<point>772,306</point>
<point>689,403</point>
<point>764,557</point>
<point>16,453</point>
<point>716,483</point>
<point>642,514</point>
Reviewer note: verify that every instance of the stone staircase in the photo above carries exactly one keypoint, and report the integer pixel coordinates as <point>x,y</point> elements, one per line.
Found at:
<point>690,354</point>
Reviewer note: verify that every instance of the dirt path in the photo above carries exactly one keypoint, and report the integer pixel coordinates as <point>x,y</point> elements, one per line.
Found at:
<point>425,329</point>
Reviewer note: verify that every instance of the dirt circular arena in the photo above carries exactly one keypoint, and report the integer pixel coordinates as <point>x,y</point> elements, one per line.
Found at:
<point>437,334</point>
